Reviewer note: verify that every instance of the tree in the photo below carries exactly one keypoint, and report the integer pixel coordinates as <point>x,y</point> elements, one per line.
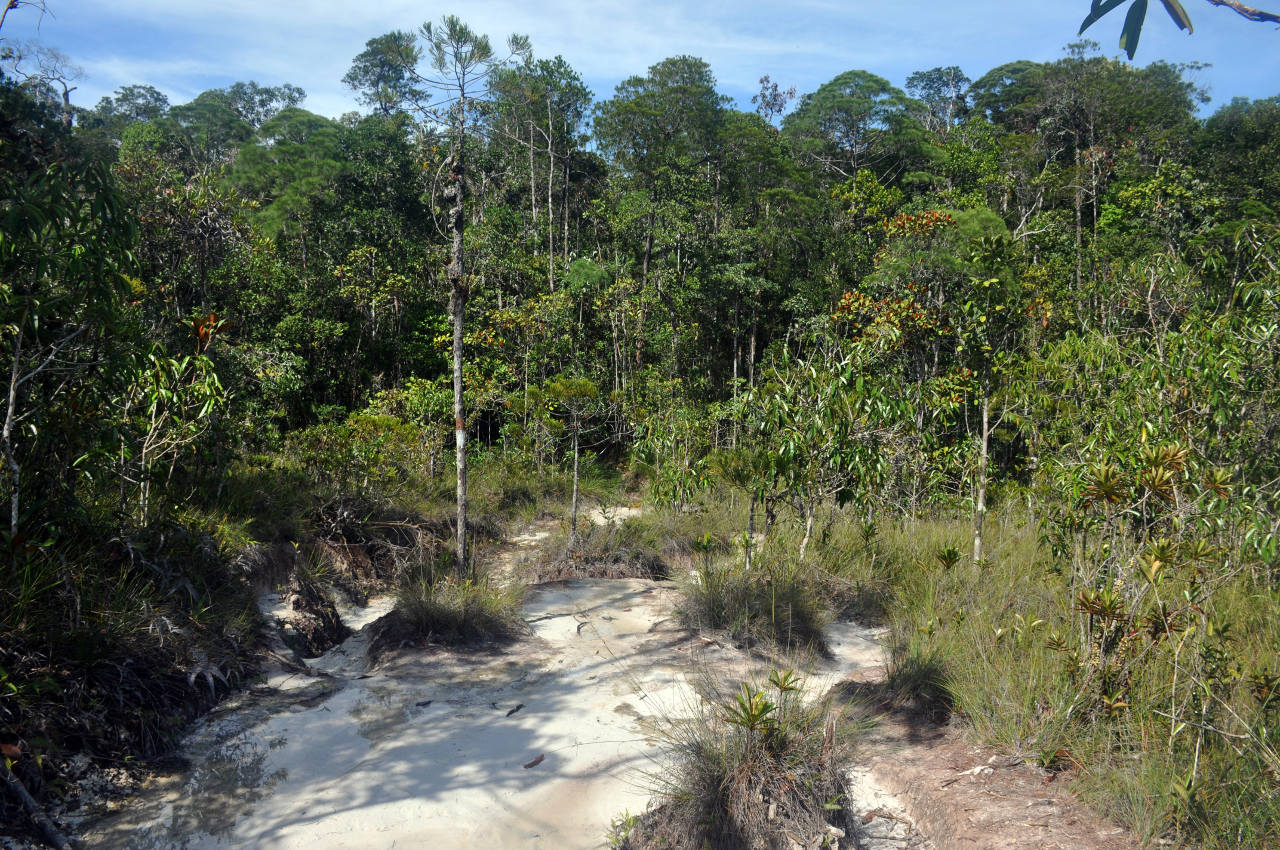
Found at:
<point>65,238</point>
<point>463,63</point>
<point>662,132</point>
<point>845,121</point>
<point>44,71</point>
<point>771,102</point>
<point>535,118</point>
<point>383,73</point>
<point>576,398</point>
<point>258,104</point>
<point>293,156</point>
<point>942,92</point>
<point>133,104</point>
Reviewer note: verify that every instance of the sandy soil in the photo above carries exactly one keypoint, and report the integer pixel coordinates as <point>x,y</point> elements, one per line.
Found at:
<point>539,744</point>
<point>542,743</point>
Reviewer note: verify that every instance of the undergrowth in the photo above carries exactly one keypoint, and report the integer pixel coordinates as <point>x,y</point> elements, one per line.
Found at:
<point>776,601</point>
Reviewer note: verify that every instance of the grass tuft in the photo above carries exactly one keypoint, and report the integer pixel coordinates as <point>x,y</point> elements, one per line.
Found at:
<point>749,770</point>
<point>775,601</point>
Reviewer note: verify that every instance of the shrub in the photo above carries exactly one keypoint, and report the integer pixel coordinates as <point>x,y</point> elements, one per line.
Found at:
<point>433,604</point>
<point>615,550</point>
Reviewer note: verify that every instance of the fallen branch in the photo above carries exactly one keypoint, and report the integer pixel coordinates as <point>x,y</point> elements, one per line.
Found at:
<point>50,832</point>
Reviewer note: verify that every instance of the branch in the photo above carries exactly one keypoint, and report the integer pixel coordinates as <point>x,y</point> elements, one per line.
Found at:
<point>51,833</point>
<point>1247,11</point>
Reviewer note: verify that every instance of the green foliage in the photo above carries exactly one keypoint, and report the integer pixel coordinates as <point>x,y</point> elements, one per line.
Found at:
<point>447,609</point>
<point>1134,19</point>
<point>848,120</point>
<point>365,454</point>
<point>1054,287</point>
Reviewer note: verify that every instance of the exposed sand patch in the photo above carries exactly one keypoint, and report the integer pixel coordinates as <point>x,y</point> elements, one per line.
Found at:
<point>429,749</point>
<point>601,515</point>
<point>542,743</point>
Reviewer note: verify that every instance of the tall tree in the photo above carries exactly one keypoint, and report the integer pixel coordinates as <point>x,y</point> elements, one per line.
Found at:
<point>47,73</point>
<point>661,132</point>
<point>383,75</point>
<point>463,64</point>
<point>845,121</point>
<point>943,98</point>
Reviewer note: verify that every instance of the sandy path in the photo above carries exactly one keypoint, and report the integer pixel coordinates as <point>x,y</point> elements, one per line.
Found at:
<point>542,743</point>
<point>430,748</point>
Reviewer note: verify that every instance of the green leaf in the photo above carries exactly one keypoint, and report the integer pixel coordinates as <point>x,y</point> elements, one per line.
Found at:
<point>1096,11</point>
<point>1133,27</point>
<point>1179,14</point>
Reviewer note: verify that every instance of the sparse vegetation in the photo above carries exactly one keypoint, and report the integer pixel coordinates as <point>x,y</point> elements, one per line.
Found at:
<point>776,601</point>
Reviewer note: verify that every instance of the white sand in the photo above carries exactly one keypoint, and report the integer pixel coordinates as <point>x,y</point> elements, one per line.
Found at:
<point>425,752</point>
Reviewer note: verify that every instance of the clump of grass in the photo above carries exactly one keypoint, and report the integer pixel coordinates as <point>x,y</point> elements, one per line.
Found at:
<point>678,534</point>
<point>917,676</point>
<point>775,601</point>
<point>614,550</point>
<point>749,770</point>
<point>434,604</point>
<point>457,610</point>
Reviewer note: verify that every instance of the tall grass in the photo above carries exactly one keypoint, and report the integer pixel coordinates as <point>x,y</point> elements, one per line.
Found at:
<point>988,640</point>
<point>775,601</point>
<point>1178,740</point>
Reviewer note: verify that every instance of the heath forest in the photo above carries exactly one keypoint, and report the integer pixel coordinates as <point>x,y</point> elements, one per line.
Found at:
<point>992,361</point>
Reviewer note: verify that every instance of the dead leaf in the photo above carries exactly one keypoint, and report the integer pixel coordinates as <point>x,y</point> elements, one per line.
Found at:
<point>535,762</point>
<point>10,751</point>
<point>514,710</point>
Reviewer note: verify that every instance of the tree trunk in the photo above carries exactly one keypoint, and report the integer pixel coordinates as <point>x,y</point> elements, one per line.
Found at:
<point>573,510</point>
<point>551,219</point>
<point>533,185</point>
<point>564,200</point>
<point>456,192</point>
<point>811,511</point>
<point>644,287</point>
<point>980,496</point>
<point>1079,223</point>
<point>6,437</point>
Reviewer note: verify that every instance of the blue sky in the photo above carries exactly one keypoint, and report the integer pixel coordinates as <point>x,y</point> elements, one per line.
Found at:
<point>186,46</point>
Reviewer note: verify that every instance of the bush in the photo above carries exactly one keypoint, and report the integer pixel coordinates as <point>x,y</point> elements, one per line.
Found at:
<point>748,770</point>
<point>616,550</point>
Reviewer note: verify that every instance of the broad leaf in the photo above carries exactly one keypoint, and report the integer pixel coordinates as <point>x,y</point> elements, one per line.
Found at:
<point>1179,14</point>
<point>1133,27</point>
<point>1096,11</point>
